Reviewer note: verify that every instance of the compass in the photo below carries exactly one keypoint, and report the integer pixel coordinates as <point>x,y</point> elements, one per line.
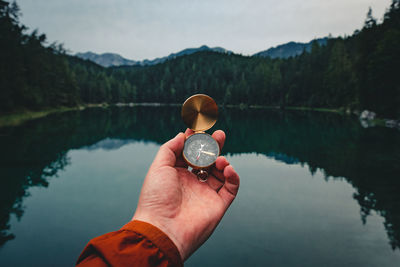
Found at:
<point>200,151</point>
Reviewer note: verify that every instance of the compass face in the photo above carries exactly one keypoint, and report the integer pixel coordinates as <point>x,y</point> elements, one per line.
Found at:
<point>200,150</point>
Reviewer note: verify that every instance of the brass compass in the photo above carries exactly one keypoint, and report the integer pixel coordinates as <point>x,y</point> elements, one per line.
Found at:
<point>200,112</point>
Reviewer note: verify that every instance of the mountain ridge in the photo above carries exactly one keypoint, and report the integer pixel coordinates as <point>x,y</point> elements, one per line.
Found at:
<point>290,49</point>
<point>107,59</point>
<point>286,50</point>
<point>116,60</point>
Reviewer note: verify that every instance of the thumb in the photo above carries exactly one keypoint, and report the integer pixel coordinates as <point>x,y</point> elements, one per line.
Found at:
<point>169,151</point>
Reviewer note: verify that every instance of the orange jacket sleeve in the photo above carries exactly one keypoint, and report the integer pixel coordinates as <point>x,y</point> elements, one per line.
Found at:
<point>135,244</point>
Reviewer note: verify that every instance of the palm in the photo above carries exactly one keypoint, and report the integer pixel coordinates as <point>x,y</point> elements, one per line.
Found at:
<point>175,201</point>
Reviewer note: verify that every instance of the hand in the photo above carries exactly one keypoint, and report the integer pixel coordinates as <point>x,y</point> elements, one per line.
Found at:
<point>175,201</point>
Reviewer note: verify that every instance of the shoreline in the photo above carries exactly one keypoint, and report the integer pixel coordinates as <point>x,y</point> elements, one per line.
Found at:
<point>18,117</point>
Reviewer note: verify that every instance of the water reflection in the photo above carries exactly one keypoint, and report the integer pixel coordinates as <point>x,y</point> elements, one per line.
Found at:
<point>369,159</point>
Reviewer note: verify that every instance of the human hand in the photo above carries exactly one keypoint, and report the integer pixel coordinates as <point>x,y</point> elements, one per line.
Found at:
<point>175,201</point>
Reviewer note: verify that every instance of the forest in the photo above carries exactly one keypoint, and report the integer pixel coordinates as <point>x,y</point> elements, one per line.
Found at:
<point>349,73</point>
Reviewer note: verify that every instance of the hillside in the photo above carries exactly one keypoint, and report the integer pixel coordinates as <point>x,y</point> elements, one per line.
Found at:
<point>290,49</point>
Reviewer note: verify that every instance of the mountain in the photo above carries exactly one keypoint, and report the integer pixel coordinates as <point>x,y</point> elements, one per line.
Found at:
<point>290,49</point>
<point>187,51</point>
<point>281,51</point>
<point>113,60</point>
<point>107,59</point>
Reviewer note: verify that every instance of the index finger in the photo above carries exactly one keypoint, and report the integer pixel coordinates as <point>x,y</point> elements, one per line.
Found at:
<point>188,132</point>
<point>219,136</point>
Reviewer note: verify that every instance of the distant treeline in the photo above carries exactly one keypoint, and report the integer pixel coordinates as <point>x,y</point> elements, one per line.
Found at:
<point>355,72</point>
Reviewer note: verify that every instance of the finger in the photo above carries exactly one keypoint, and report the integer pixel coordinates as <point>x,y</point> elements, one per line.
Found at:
<point>219,175</point>
<point>188,132</point>
<point>229,191</point>
<point>214,183</point>
<point>168,152</point>
<point>221,163</point>
<point>219,136</point>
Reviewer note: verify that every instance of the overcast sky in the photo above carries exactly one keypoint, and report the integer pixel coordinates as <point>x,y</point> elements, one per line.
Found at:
<point>146,29</point>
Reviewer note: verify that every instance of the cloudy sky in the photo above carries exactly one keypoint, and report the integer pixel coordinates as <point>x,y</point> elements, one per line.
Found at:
<point>140,29</point>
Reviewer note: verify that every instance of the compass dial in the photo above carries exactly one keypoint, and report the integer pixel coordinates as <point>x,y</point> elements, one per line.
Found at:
<point>200,150</point>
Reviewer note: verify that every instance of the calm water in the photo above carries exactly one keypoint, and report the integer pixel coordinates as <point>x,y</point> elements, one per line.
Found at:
<point>316,189</point>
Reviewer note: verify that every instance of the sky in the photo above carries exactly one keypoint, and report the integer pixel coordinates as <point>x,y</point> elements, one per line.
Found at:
<point>146,29</point>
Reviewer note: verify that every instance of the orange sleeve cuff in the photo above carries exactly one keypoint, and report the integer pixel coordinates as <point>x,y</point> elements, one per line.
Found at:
<point>137,243</point>
<point>158,238</point>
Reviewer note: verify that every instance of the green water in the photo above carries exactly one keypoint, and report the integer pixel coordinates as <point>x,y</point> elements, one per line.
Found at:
<point>317,189</point>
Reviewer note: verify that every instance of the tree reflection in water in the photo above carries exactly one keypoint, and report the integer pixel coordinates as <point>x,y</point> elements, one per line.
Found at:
<point>369,159</point>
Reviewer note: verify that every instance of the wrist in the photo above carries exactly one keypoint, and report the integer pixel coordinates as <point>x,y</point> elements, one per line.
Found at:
<point>158,238</point>
<point>167,230</point>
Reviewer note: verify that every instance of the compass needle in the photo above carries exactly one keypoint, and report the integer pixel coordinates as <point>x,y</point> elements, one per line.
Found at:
<point>208,153</point>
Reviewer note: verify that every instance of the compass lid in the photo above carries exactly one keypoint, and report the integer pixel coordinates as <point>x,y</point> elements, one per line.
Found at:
<point>200,112</point>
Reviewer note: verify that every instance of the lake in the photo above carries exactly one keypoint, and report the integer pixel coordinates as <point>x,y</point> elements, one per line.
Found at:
<point>317,189</point>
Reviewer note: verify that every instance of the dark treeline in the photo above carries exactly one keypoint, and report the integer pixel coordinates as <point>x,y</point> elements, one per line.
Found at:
<point>356,72</point>
<point>31,74</point>
<point>35,75</point>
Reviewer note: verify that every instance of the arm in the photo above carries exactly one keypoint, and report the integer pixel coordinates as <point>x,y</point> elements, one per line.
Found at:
<point>137,243</point>
<point>175,203</point>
